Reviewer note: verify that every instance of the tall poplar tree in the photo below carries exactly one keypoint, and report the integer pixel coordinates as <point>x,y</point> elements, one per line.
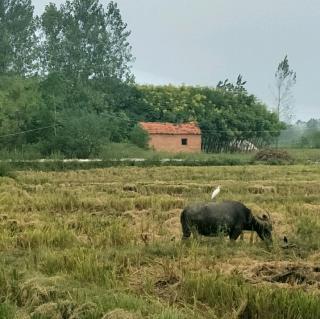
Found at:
<point>285,79</point>
<point>18,37</point>
<point>85,41</point>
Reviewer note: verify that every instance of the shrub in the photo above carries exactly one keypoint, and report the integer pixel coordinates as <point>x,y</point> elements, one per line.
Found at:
<point>139,137</point>
<point>80,135</point>
<point>6,170</point>
<point>311,140</point>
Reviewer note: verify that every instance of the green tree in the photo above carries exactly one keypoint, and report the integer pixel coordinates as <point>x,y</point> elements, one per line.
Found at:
<point>310,139</point>
<point>139,137</point>
<point>285,79</point>
<point>86,81</point>
<point>18,38</point>
<point>313,124</point>
<point>83,133</point>
<point>224,114</point>
<point>84,41</point>
<point>53,54</point>
<point>20,102</point>
<point>80,134</point>
<point>119,47</point>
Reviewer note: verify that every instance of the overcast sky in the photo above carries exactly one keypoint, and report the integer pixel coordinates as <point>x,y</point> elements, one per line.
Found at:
<point>200,42</point>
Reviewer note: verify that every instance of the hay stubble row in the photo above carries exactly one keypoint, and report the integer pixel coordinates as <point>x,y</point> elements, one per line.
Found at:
<point>91,244</point>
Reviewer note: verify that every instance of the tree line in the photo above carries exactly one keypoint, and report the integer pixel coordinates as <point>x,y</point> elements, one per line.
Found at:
<point>302,135</point>
<point>66,85</point>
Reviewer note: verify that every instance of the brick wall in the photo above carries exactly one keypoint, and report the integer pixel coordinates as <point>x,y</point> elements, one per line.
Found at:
<point>172,143</point>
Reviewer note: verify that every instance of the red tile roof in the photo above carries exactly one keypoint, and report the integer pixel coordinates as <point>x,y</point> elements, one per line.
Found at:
<point>170,128</point>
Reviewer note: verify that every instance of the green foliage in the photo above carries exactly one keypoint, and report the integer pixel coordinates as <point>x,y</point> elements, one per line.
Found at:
<point>302,135</point>
<point>80,134</point>
<point>85,69</point>
<point>139,137</point>
<point>6,170</point>
<point>224,114</point>
<point>7,311</point>
<point>43,109</point>
<point>223,293</point>
<point>18,38</point>
<point>82,94</point>
<point>122,150</point>
<point>311,139</point>
<point>291,136</point>
<point>25,152</point>
<point>82,40</point>
<point>305,156</point>
<point>19,105</point>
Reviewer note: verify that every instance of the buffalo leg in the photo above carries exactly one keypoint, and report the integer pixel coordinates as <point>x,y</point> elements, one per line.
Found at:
<point>195,233</point>
<point>186,231</point>
<point>235,233</point>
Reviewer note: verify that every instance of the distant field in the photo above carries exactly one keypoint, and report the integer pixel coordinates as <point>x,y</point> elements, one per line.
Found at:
<point>105,243</point>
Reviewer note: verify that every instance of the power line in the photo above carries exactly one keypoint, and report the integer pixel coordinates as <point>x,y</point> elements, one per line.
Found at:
<point>27,131</point>
<point>212,131</point>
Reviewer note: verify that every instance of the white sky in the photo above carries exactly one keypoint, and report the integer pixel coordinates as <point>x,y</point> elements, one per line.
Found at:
<point>200,42</point>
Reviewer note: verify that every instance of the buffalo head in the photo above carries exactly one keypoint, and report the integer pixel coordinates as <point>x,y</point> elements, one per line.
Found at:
<point>264,226</point>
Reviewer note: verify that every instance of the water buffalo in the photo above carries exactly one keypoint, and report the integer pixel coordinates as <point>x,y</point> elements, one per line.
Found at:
<point>229,217</point>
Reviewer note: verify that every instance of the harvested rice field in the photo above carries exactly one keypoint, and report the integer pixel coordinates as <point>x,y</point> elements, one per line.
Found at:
<point>106,243</point>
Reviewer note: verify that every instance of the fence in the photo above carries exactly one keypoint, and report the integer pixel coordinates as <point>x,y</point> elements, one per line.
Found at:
<point>214,144</point>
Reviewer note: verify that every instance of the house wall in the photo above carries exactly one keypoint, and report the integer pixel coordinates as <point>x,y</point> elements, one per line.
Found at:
<point>172,143</point>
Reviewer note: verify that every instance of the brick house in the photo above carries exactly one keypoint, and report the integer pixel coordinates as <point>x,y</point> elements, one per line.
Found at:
<point>173,138</point>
